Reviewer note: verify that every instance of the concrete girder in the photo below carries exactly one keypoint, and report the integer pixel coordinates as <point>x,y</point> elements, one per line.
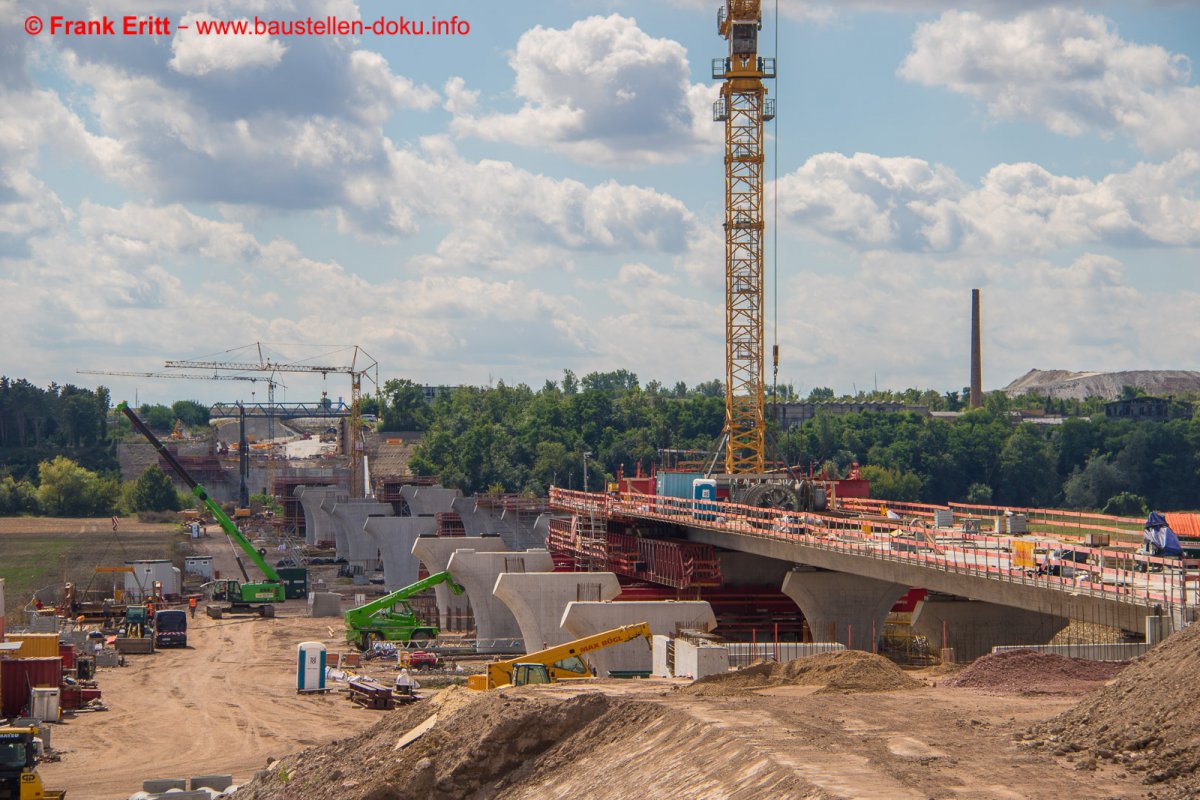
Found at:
<point>477,573</point>
<point>538,599</point>
<point>435,551</point>
<point>394,537</point>
<point>840,607</point>
<point>665,617</point>
<point>973,628</point>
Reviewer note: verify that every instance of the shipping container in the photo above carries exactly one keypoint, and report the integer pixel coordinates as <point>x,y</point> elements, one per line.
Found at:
<point>676,484</point>
<point>19,675</point>
<point>36,645</point>
<point>67,653</point>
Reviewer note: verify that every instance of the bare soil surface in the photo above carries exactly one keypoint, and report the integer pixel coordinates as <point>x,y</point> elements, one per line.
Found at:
<point>1145,721</point>
<point>1031,672</point>
<point>847,671</point>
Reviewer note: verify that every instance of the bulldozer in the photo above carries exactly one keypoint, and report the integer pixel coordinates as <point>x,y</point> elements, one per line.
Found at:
<point>19,755</point>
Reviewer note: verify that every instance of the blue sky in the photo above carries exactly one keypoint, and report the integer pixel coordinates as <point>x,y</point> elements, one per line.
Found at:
<point>545,192</point>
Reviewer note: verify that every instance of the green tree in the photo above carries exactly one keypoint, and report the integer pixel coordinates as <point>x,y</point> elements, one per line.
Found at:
<point>190,413</point>
<point>1090,486</point>
<point>157,417</point>
<point>891,484</point>
<point>1027,470</point>
<point>405,408</point>
<point>153,491</point>
<point>17,497</point>
<point>1126,504</point>
<point>68,490</point>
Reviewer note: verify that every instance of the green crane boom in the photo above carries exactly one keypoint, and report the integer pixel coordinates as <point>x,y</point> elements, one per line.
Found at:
<point>391,618</point>
<point>248,594</point>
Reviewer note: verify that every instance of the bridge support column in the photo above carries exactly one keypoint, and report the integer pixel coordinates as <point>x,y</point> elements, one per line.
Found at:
<point>394,538</point>
<point>478,572</point>
<point>538,600</point>
<point>315,520</point>
<point>434,552</point>
<point>665,618</point>
<point>840,607</point>
<point>972,628</point>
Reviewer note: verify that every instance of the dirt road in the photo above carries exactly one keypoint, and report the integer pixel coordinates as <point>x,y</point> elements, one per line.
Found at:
<point>224,704</point>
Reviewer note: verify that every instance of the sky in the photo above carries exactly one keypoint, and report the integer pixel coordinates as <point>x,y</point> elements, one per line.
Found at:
<point>541,189</point>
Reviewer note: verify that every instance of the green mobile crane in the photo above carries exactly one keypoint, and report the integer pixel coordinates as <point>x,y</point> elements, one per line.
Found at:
<point>242,597</point>
<point>391,618</point>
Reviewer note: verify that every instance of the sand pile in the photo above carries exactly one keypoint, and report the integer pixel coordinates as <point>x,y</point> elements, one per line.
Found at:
<point>843,671</point>
<point>515,744</point>
<point>1031,672</point>
<point>1146,720</point>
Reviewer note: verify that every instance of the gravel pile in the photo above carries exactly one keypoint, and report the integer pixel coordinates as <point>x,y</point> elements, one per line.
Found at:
<point>1146,720</point>
<point>1033,672</point>
<point>843,671</point>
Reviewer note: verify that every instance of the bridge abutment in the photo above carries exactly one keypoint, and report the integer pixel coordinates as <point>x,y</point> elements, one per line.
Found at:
<point>840,607</point>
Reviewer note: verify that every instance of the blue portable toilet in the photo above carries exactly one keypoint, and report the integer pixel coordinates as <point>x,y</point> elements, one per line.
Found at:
<point>705,489</point>
<point>310,667</point>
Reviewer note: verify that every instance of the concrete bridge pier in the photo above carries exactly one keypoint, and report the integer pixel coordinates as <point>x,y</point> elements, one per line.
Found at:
<point>351,516</point>
<point>435,551</point>
<point>665,618</point>
<point>537,600</point>
<point>331,527</point>
<point>478,574</point>
<point>315,521</point>
<point>840,607</point>
<point>972,628</point>
<point>394,538</point>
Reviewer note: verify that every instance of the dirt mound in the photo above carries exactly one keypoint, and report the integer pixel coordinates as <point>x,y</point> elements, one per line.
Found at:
<point>1031,672</point>
<point>515,744</point>
<point>843,671</point>
<point>1145,720</point>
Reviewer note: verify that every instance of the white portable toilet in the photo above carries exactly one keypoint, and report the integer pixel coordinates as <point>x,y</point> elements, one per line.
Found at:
<point>310,668</point>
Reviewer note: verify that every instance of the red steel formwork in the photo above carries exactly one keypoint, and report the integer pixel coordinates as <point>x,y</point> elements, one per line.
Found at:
<point>450,524</point>
<point>667,562</point>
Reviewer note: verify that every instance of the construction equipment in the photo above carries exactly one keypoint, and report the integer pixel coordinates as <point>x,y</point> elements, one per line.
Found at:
<point>357,370</point>
<point>561,662</point>
<point>391,618</point>
<point>19,756</point>
<point>241,597</point>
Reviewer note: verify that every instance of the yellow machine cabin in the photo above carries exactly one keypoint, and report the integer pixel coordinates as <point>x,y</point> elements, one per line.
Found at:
<point>562,662</point>
<point>19,779</point>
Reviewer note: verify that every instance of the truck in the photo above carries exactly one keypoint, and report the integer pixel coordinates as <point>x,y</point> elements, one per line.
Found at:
<point>239,597</point>
<point>391,618</point>
<point>561,662</point>
<point>19,755</point>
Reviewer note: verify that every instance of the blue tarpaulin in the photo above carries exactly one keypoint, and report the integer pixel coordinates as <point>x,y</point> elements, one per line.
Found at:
<point>1159,538</point>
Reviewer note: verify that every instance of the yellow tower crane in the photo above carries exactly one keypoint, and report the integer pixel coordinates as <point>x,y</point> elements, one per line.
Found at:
<point>361,365</point>
<point>743,107</point>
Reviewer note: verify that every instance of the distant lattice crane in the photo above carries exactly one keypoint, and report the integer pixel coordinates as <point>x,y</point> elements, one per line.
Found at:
<point>743,108</point>
<point>361,364</point>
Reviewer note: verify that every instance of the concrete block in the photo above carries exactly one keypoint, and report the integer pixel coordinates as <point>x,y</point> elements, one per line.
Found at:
<point>840,607</point>
<point>477,573</point>
<point>325,604</point>
<point>435,551</point>
<point>660,666</point>
<point>352,516</point>
<point>972,628</point>
<point>695,661</point>
<point>315,520</point>
<point>218,782</point>
<point>665,617</point>
<point>394,538</point>
<point>160,785</point>
<point>537,600</point>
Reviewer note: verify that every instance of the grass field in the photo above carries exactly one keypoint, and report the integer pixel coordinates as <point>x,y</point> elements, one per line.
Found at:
<point>41,552</point>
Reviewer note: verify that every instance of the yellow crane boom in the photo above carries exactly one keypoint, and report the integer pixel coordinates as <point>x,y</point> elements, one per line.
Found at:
<point>564,661</point>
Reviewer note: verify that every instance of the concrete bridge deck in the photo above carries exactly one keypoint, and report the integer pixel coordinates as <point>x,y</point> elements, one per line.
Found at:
<point>983,567</point>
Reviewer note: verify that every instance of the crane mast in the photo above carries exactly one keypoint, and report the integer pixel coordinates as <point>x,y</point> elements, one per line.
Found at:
<point>743,107</point>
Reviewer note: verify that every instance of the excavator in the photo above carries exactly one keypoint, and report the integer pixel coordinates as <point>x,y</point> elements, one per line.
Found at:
<point>391,618</point>
<point>241,597</point>
<point>19,779</point>
<point>561,662</point>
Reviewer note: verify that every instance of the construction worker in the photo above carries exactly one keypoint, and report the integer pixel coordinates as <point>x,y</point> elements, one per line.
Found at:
<point>192,605</point>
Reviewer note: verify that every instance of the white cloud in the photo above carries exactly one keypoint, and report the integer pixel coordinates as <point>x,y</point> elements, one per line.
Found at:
<point>871,202</point>
<point>1066,69</point>
<point>199,55</point>
<point>602,92</point>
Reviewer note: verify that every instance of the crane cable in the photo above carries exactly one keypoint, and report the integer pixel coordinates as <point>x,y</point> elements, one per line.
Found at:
<point>775,231</point>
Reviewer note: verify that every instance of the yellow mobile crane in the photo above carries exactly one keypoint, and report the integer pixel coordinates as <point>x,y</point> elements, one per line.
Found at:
<point>562,662</point>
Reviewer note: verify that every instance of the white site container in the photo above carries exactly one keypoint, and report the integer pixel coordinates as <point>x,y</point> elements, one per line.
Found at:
<point>140,582</point>
<point>44,703</point>
<point>310,667</point>
<point>199,565</point>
